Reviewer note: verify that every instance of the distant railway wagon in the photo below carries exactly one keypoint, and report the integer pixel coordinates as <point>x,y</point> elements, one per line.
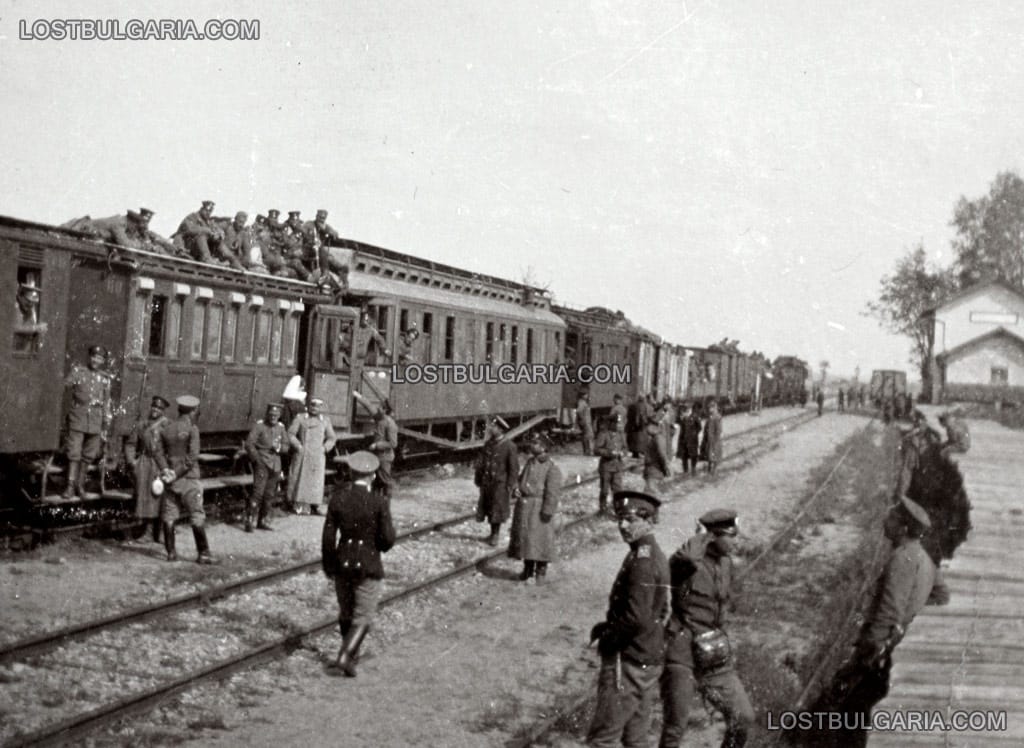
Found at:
<point>788,385</point>
<point>886,384</point>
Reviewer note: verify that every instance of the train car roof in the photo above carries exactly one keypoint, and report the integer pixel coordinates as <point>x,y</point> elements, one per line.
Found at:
<point>376,285</point>
<point>604,318</point>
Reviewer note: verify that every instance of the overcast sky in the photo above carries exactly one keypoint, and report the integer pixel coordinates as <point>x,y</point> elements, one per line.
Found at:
<point>723,169</point>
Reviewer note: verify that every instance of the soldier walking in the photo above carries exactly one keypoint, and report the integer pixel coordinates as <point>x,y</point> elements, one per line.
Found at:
<point>266,442</point>
<point>533,529</point>
<point>177,455</point>
<point>699,653</point>
<point>711,447</point>
<point>611,448</point>
<point>497,470</point>
<point>584,423</point>
<point>312,438</point>
<point>140,448</point>
<point>902,591</point>
<point>357,530</point>
<point>88,419</point>
<point>656,459</point>
<point>631,639</point>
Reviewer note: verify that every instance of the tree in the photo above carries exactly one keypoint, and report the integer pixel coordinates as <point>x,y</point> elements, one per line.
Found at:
<point>989,241</point>
<point>913,288</point>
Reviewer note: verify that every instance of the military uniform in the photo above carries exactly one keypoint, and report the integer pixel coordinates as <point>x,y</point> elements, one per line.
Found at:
<point>238,242</point>
<point>701,587</point>
<point>357,530</point>
<point>656,459</point>
<point>199,234</point>
<point>140,450</point>
<point>902,592</point>
<point>177,455</point>
<point>620,414</point>
<point>689,441</point>
<point>611,447</point>
<point>385,442</point>
<point>711,448</point>
<point>315,238</point>
<point>586,425</point>
<point>533,528</point>
<point>496,471</point>
<point>264,445</point>
<point>631,643</point>
<point>90,413</point>
<point>312,439</point>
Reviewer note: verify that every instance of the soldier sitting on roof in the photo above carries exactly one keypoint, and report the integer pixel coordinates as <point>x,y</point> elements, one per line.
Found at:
<point>130,230</point>
<point>201,235</point>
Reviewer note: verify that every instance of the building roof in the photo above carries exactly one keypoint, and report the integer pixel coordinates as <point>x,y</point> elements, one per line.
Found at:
<point>999,332</point>
<point>971,291</point>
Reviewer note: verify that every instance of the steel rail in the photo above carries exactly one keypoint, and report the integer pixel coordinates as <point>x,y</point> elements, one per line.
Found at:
<point>78,726</point>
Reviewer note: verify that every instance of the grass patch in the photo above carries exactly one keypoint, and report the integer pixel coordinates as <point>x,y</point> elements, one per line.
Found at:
<point>499,714</point>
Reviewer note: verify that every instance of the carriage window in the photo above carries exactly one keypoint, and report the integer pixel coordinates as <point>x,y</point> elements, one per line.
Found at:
<point>213,330</point>
<point>28,329</point>
<point>172,348</point>
<point>275,338</point>
<point>141,312</point>
<point>230,332</point>
<point>291,329</point>
<point>428,337</point>
<point>558,347</point>
<point>263,323</point>
<point>403,320</point>
<point>513,356</point>
<point>449,338</point>
<point>529,345</point>
<point>157,320</point>
<point>250,339</point>
<point>198,326</point>
<point>345,338</point>
<point>489,344</point>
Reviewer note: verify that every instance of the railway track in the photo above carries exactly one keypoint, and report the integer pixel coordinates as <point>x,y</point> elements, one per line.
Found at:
<point>236,602</point>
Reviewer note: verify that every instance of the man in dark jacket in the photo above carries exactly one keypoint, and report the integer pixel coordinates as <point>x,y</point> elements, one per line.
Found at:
<point>497,471</point>
<point>611,448</point>
<point>689,439</point>
<point>266,442</point>
<point>631,639</point>
<point>698,651</point>
<point>357,530</point>
<point>656,459</point>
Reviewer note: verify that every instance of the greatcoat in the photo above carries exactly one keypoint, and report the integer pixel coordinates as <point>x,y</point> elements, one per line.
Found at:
<point>312,438</point>
<point>539,486</point>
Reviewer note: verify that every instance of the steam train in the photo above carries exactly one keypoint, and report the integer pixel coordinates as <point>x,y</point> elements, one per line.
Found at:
<point>235,339</point>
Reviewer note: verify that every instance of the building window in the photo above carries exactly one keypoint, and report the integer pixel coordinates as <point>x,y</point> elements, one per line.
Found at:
<point>198,327</point>
<point>230,332</point>
<point>449,338</point>
<point>1000,375</point>
<point>215,319</point>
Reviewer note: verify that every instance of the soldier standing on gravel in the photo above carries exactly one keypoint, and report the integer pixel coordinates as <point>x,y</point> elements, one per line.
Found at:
<point>711,449</point>
<point>902,591</point>
<point>533,529</point>
<point>357,530</point>
<point>177,454</point>
<point>497,470</point>
<point>265,444</point>
<point>140,455</point>
<point>611,448</point>
<point>631,639</point>
<point>698,651</point>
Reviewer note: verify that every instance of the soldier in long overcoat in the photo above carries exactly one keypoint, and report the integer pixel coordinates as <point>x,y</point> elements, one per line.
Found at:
<point>533,527</point>
<point>689,438</point>
<point>497,470</point>
<point>140,449</point>
<point>656,458</point>
<point>312,438</point>
<point>711,447</point>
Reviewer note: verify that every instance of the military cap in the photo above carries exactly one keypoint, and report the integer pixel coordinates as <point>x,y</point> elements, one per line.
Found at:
<point>617,396</point>
<point>316,401</point>
<point>915,512</point>
<point>208,204</point>
<point>362,462</point>
<point>187,402</point>
<point>499,421</point>
<point>159,402</point>
<point>635,501</point>
<point>145,213</point>
<point>321,213</point>
<point>720,520</point>
<point>243,215</point>
<point>274,406</point>
<point>294,213</point>
<point>97,350</point>
<point>273,213</point>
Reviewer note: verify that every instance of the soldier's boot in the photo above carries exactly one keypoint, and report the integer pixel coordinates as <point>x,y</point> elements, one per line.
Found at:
<point>83,472</point>
<point>541,572</point>
<point>155,529</point>
<point>203,546</point>
<point>350,650</point>
<point>262,523</point>
<point>249,512</point>
<point>72,482</point>
<point>527,571</point>
<point>492,539</point>
<point>602,504</point>
<point>172,554</point>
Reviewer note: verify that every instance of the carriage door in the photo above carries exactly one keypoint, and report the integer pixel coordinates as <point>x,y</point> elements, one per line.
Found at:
<point>376,351</point>
<point>332,364</point>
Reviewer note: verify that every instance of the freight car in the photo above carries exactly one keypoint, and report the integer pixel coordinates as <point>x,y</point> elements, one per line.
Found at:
<point>789,381</point>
